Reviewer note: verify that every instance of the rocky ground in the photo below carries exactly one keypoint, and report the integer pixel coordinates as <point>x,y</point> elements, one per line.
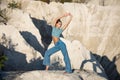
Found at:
<point>50,75</point>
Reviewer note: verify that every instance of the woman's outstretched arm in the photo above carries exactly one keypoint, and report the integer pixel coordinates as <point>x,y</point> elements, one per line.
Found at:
<point>70,18</point>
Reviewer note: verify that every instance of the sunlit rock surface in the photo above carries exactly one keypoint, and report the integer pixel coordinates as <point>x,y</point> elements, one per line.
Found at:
<point>53,75</point>
<point>95,24</point>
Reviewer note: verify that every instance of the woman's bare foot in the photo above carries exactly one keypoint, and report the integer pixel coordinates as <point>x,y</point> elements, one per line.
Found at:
<point>47,67</point>
<point>67,72</point>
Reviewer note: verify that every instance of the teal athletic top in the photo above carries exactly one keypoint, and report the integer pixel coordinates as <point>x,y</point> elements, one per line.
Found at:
<point>56,32</point>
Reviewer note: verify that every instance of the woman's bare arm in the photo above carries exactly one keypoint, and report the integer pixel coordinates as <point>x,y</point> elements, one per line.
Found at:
<point>59,17</point>
<point>66,25</point>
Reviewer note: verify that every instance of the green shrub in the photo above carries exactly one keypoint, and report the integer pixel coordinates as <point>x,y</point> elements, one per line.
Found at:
<point>14,4</point>
<point>66,1</point>
<point>2,60</point>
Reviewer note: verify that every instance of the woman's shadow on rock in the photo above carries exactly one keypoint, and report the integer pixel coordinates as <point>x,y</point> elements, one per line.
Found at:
<point>44,30</point>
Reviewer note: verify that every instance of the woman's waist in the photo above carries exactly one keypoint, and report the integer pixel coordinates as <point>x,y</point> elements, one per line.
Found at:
<point>55,39</point>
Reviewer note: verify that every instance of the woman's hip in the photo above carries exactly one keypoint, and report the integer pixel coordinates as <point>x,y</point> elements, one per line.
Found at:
<point>59,43</point>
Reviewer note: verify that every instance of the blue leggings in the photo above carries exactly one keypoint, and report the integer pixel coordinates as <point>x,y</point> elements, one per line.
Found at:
<point>58,46</point>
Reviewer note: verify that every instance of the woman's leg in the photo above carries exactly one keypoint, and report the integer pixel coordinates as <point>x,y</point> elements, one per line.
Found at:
<point>66,57</point>
<point>48,53</point>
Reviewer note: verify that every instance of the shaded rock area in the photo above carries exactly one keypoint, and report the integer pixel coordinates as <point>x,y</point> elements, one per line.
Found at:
<point>110,67</point>
<point>10,75</point>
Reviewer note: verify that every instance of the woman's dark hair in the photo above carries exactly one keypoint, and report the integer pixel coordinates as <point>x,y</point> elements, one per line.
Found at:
<point>58,21</point>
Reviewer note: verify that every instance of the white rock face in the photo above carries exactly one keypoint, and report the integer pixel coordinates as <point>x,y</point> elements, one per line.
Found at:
<point>96,27</point>
<point>101,2</point>
<point>58,75</point>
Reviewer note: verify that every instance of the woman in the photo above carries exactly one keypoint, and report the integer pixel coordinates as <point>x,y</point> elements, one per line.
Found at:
<point>59,45</point>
